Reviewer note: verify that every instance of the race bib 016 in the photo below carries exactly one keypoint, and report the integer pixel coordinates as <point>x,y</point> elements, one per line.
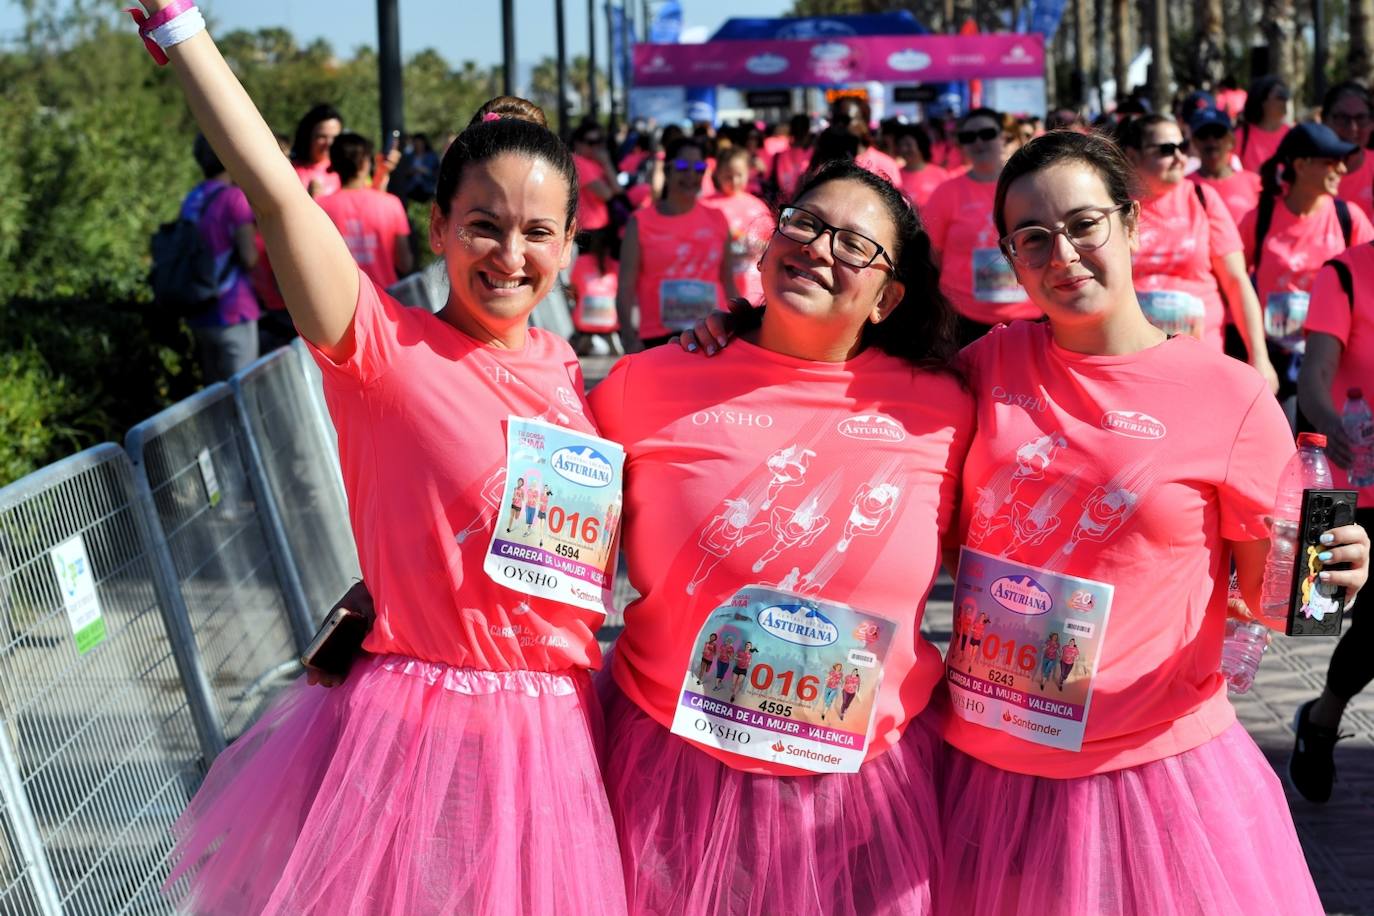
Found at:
<point>993,278</point>
<point>1173,312</point>
<point>555,530</point>
<point>683,302</point>
<point>787,679</point>
<point>1025,648</point>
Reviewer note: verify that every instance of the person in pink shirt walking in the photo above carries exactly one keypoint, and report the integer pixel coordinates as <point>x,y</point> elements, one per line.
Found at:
<point>1348,109</point>
<point>708,655</point>
<point>1049,654</point>
<point>851,690</point>
<point>749,218</point>
<point>1068,659</point>
<point>468,731</point>
<point>373,223</point>
<point>743,658</point>
<point>1264,121</point>
<point>833,681</point>
<point>1215,140</point>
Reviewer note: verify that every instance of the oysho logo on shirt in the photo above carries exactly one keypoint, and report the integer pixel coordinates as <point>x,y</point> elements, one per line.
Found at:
<point>873,427</point>
<point>732,418</point>
<point>1134,424</point>
<point>1017,399</point>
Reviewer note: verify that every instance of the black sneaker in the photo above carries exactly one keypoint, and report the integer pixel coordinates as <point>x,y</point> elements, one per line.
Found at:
<point>1311,769</point>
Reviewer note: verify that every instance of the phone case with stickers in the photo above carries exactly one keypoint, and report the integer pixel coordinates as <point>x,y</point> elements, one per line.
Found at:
<point>1315,609</point>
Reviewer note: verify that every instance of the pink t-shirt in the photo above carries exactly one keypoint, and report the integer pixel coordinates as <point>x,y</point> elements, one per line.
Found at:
<point>1297,246</point>
<point>1256,145</point>
<point>789,166</point>
<point>832,680</point>
<point>880,163</point>
<point>727,652</point>
<point>974,275</point>
<point>592,212</point>
<point>708,441</point>
<point>223,210</point>
<point>328,181</point>
<point>708,652</point>
<point>1358,186</point>
<point>679,268</point>
<point>1331,312</point>
<point>1240,192</point>
<point>1070,654</point>
<point>742,658</point>
<point>421,412</point>
<point>751,224</point>
<point>370,223</point>
<point>1179,237</point>
<point>1146,464</point>
<point>918,186</point>
<point>594,292</point>
<point>1051,649</point>
<point>851,683</point>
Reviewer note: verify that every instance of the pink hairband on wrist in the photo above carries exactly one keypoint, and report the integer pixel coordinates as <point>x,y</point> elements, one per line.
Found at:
<point>146,25</point>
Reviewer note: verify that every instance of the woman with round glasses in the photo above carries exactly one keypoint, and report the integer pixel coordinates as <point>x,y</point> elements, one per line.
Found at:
<point>1099,476</point>
<point>790,494</point>
<point>675,264</point>
<point>1190,256</point>
<point>973,274</point>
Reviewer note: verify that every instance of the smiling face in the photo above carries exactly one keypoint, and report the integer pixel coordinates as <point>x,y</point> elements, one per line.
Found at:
<point>1073,287</point>
<point>504,240</point>
<point>817,296</point>
<point>1314,175</point>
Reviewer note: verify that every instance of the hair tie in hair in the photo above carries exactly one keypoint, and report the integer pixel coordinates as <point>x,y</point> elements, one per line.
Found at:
<point>490,116</point>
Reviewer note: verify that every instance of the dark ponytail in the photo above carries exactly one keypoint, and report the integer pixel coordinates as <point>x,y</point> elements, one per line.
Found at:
<point>505,125</point>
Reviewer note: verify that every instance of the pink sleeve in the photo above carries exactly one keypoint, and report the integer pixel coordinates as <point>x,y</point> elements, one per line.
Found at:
<point>241,214</point>
<point>1222,235</point>
<point>935,214</point>
<point>608,402</point>
<point>1329,310</point>
<point>376,318</point>
<point>1259,452</point>
<point>400,223</point>
<point>1361,230</point>
<point>1247,236</point>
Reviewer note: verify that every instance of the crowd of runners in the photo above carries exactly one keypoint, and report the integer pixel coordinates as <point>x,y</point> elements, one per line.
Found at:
<point>1067,365</point>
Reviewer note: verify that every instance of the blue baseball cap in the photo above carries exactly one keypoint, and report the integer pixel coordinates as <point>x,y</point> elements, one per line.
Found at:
<point>1312,140</point>
<point>1207,117</point>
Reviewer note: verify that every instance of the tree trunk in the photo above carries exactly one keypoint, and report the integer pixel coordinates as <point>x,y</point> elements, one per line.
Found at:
<point>1082,52</point>
<point>1360,64</point>
<point>1161,67</point>
<point>1209,54</point>
<point>1123,49</point>
<point>1279,25</point>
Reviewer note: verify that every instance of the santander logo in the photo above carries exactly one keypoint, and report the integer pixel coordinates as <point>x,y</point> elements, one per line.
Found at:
<point>872,427</point>
<point>1134,424</point>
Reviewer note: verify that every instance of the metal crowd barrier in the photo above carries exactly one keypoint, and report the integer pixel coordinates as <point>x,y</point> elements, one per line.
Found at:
<point>215,535</point>
<point>100,707</point>
<point>297,465</point>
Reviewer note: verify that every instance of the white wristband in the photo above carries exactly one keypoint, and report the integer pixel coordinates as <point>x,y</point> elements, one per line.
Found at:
<point>178,29</point>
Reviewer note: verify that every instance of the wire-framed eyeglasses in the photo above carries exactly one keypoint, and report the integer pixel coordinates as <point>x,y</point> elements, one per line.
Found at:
<point>1086,230</point>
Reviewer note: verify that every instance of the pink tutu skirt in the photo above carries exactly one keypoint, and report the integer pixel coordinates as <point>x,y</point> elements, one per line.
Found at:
<point>414,788</point>
<point>699,838</point>
<point>1206,832</point>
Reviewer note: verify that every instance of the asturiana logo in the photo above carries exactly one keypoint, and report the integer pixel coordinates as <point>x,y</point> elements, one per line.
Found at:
<point>1133,424</point>
<point>1021,594</point>
<point>873,427</point>
<point>798,624</point>
<point>583,465</point>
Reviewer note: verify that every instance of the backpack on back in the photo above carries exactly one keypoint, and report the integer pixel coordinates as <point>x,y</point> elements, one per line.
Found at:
<point>183,276</point>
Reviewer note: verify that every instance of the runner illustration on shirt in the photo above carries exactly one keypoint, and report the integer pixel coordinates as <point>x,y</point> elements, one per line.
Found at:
<point>1108,507</point>
<point>798,528</point>
<point>724,534</point>
<point>986,517</point>
<point>1031,525</point>
<point>874,507</point>
<point>1033,459</point>
<point>788,467</point>
<point>492,489</point>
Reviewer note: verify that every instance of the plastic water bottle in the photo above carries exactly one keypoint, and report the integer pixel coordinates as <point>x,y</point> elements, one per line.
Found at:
<point>1358,423</point>
<point>1305,470</point>
<point>1245,643</point>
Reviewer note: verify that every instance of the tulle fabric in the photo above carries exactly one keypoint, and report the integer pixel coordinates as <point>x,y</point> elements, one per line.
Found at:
<point>701,839</point>
<point>414,788</point>
<point>1206,832</point>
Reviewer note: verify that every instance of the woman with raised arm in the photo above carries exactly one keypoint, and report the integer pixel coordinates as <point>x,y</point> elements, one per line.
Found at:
<point>451,769</point>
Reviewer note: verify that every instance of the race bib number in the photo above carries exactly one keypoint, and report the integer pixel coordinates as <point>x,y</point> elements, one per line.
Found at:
<point>1284,316</point>
<point>993,278</point>
<point>787,679</point>
<point>555,530</point>
<point>598,313</point>
<point>1025,648</point>
<point>1173,312</point>
<point>683,302</point>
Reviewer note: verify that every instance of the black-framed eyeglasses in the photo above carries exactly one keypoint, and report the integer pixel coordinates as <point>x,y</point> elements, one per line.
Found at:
<point>846,245</point>
<point>966,137</point>
<point>1351,120</point>
<point>688,165</point>
<point>1086,230</point>
<point>1166,150</point>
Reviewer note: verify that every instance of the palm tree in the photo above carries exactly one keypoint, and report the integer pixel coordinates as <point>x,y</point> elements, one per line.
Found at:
<point>1209,53</point>
<point>1279,24</point>
<point>1360,64</point>
<point>1161,68</point>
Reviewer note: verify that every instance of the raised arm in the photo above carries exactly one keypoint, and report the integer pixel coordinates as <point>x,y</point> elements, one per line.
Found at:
<point>314,269</point>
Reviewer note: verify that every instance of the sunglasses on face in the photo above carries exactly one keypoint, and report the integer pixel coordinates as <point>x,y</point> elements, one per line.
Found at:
<point>1167,150</point>
<point>967,137</point>
<point>688,165</point>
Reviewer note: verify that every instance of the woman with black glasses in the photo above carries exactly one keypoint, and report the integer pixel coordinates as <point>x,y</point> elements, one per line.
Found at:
<point>1190,263</point>
<point>789,496</point>
<point>675,264</point>
<point>974,276</point>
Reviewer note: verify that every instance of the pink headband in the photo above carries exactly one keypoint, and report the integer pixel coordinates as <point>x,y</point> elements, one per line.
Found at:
<point>490,116</point>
